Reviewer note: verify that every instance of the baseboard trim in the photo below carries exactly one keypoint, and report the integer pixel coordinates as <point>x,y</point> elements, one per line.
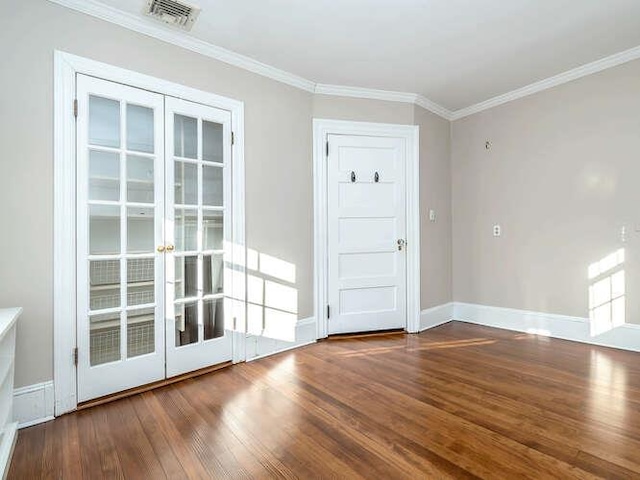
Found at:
<point>577,329</point>
<point>434,316</point>
<point>281,350</point>
<point>33,404</point>
<point>259,346</point>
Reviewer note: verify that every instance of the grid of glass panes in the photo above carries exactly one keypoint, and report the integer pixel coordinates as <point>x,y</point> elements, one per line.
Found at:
<point>122,216</point>
<point>199,210</point>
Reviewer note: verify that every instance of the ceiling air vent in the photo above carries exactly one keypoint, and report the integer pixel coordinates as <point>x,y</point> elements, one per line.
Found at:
<point>171,12</point>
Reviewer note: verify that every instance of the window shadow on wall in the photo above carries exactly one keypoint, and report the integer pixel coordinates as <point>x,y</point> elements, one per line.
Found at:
<point>607,293</point>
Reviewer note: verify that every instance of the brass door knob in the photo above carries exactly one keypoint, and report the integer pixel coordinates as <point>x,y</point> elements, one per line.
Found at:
<point>160,248</point>
<point>170,248</point>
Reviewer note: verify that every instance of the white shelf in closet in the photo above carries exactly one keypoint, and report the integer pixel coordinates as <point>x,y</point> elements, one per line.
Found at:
<point>114,286</point>
<point>104,324</point>
<point>8,428</point>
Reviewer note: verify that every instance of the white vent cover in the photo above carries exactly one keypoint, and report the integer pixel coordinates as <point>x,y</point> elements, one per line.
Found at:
<point>172,12</point>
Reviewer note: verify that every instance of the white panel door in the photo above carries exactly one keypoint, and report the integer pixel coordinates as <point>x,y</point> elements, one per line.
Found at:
<point>120,205</point>
<point>198,234</point>
<point>366,233</point>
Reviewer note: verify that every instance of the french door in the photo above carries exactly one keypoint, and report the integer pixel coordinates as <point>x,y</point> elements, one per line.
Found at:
<point>366,233</point>
<point>152,236</point>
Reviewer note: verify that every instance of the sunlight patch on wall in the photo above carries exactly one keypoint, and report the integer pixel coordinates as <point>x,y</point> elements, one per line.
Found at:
<point>272,298</point>
<point>607,293</point>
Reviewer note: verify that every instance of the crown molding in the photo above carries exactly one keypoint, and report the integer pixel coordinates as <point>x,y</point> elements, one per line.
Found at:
<point>433,107</point>
<point>167,34</point>
<point>154,29</point>
<point>369,93</point>
<point>565,77</point>
<point>388,95</point>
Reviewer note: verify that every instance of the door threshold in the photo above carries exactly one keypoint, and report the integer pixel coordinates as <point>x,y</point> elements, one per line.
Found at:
<point>376,333</point>
<point>150,386</point>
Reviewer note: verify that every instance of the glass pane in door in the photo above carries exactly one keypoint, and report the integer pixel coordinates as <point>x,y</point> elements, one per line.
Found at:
<point>140,183</point>
<point>186,323</point>
<point>185,136</point>
<point>212,142</point>
<point>104,176</point>
<point>139,128</point>
<point>121,229</point>
<point>104,229</point>
<point>104,122</point>
<point>213,313</point>
<point>199,211</point>
<point>140,332</point>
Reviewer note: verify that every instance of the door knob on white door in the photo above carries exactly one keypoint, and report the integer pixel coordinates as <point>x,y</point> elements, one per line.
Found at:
<point>401,243</point>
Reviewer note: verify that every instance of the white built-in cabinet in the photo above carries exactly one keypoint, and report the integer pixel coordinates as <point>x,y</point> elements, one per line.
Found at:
<point>8,428</point>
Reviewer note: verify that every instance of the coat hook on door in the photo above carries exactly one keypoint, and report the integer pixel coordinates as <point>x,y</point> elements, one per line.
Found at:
<point>353,177</point>
<point>376,177</point>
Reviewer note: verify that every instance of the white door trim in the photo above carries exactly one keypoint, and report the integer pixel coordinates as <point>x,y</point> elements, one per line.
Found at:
<point>66,66</point>
<point>410,133</point>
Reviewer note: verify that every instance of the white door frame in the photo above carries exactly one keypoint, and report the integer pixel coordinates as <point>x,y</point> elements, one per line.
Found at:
<point>410,133</point>
<point>66,66</point>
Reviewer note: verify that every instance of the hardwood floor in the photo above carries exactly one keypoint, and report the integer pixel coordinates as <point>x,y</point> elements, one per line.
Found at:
<point>458,401</point>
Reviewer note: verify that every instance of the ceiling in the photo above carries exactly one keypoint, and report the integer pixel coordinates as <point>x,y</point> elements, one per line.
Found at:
<point>453,52</point>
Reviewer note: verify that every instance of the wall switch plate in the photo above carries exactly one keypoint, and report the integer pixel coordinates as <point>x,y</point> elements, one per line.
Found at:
<point>497,230</point>
<point>432,215</point>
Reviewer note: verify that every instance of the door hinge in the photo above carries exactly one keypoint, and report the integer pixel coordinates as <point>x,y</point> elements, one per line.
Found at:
<point>75,108</point>
<point>327,148</point>
<point>75,356</point>
<point>328,312</point>
<point>233,138</point>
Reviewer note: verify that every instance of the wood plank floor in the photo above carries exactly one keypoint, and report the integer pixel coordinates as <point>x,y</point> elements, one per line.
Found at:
<point>458,401</point>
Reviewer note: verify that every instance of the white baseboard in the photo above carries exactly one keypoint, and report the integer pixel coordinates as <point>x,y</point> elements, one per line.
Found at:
<point>33,404</point>
<point>263,346</point>
<point>577,329</point>
<point>434,316</point>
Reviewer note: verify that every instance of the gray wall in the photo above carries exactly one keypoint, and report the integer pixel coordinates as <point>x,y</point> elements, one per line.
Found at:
<point>435,193</point>
<point>561,178</point>
<point>278,131</point>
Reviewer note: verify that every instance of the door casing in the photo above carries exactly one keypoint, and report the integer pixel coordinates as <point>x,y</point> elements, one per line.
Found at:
<point>410,133</point>
<point>66,68</point>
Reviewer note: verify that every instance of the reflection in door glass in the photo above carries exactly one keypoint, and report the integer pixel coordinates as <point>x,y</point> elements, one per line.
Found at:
<point>186,323</point>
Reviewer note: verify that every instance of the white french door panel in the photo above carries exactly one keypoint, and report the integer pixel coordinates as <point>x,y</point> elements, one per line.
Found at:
<point>120,204</point>
<point>366,233</point>
<point>198,233</point>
